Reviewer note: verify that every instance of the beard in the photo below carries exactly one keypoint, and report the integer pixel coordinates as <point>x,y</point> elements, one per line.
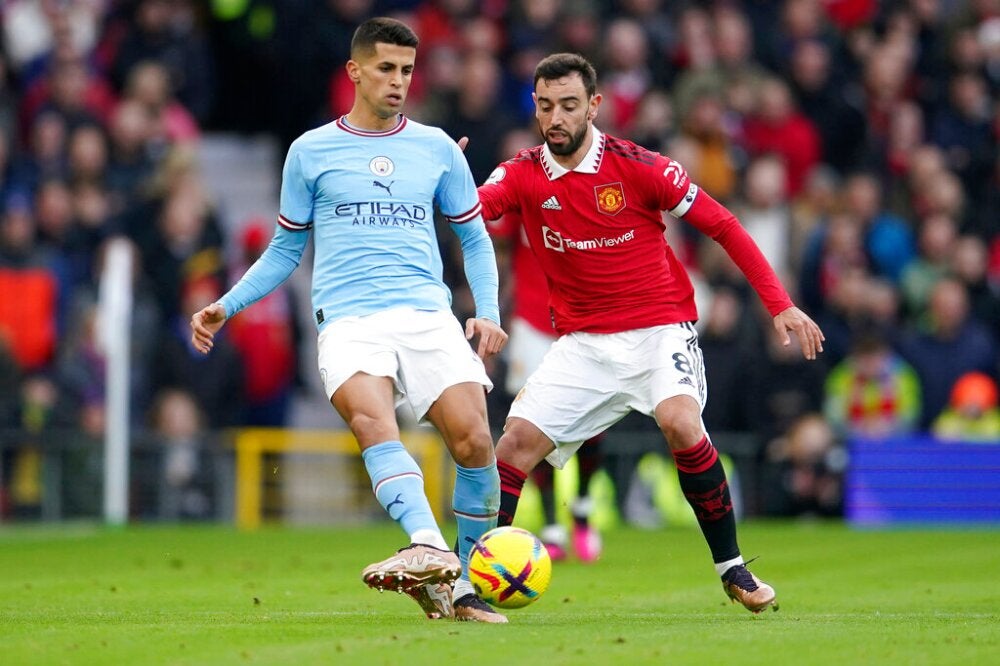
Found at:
<point>571,146</point>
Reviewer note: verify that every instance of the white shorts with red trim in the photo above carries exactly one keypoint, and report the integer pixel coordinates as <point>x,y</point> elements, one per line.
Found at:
<point>588,382</point>
<point>424,352</point>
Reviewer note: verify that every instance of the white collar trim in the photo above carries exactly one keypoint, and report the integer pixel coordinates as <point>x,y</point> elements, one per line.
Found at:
<point>590,163</point>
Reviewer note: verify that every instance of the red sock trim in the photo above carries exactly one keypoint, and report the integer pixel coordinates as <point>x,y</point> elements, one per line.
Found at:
<point>696,459</point>
<point>511,478</point>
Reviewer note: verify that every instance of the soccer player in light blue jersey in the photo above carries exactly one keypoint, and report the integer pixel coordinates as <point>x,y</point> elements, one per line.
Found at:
<point>365,187</point>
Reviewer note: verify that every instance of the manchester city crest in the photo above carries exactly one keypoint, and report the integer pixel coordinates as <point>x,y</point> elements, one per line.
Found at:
<point>381,166</point>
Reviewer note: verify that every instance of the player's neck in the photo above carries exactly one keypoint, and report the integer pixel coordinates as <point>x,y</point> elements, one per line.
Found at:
<point>570,162</point>
<point>365,120</point>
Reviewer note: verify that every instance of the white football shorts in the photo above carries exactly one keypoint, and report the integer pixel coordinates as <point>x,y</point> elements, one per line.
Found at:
<point>525,350</point>
<point>588,382</point>
<point>422,351</point>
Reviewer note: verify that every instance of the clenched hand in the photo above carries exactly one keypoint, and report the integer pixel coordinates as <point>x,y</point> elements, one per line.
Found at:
<point>205,324</point>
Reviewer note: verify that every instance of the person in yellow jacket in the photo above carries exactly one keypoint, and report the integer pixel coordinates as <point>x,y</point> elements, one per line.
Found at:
<point>972,414</point>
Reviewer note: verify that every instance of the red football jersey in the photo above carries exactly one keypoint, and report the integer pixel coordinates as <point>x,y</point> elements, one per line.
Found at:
<point>597,232</point>
<point>531,290</point>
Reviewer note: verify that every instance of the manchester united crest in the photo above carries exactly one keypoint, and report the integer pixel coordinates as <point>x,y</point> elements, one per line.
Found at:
<point>610,198</point>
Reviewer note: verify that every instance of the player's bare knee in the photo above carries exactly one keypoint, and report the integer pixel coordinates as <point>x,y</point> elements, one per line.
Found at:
<point>681,431</point>
<point>679,419</point>
<point>519,449</point>
<point>473,449</point>
<point>368,429</point>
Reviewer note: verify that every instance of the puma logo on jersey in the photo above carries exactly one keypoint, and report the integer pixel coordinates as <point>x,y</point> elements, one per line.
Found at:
<point>384,187</point>
<point>551,203</point>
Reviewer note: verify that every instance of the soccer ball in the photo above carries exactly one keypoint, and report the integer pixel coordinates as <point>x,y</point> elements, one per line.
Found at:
<point>509,567</point>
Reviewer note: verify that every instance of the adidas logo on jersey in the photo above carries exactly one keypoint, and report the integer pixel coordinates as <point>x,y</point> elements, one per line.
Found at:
<point>551,204</point>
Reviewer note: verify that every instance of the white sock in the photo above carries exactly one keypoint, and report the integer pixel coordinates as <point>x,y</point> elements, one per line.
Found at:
<point>462,588</point>
<point>429,538</point>
<point>723,567</point>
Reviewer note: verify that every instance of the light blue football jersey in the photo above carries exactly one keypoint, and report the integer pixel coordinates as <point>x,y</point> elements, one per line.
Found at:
<point>367,199</point>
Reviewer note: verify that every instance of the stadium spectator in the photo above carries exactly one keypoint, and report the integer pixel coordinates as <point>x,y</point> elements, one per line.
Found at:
<point>33,291</point>
<point>87,155</point>
<point>184,482</point>
<point>834,251</point>
<point>731,75</point>
<point>45,154</point>
<point>804,475</point>
<point>165,31</point>
<point>149,84</point>
<point>888,240</point>
<point>80,376</point>
<point>873,392</point>
<point>714,160</point>
<point>777,126</point>
<point>22,493</point>
<point>906,136</point>
<point>617,358</point>
<point>71,90</point>
<point>972,414</point>
<point>377,291</point>
<point>627,77</point>
<point>33,28</point>
<point>580,28</point>
<point>832,105</point>
<point>962,128</point>
<point>653,124</point>
<point>969,264</point>
<point>951,344</point>
<point>478,110</point>
<point>936,244</point>
<point>131,161</point>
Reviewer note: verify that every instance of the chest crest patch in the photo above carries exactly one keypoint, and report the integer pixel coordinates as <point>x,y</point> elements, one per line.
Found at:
<point>610,198</point>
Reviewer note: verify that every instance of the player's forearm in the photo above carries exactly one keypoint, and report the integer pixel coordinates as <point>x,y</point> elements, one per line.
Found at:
<point>274,266</point>
<point>480,268</point>
<point>492,201</point>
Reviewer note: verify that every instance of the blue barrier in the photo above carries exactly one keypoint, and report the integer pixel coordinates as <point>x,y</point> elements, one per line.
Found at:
<point>922,480</point>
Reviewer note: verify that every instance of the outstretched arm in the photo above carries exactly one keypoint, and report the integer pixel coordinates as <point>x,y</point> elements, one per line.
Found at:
<point>715,220</point>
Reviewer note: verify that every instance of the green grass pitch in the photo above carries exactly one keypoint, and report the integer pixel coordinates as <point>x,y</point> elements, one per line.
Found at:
<point>211,595</point>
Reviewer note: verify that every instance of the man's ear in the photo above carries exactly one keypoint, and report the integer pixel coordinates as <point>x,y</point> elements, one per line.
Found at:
<point>353,71</point>
<point>595,103</point>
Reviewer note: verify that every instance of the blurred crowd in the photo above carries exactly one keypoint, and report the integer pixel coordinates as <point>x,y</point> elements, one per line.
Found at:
<point>856,140</point>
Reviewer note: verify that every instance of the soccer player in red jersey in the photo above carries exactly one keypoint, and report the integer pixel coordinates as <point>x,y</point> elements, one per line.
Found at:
<point>622,304</point>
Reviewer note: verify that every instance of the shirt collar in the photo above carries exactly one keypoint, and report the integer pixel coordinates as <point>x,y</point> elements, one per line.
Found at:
<point>590,163</point>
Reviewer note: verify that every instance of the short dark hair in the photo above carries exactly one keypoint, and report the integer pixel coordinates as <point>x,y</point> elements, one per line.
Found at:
<point>382,30</point>
<point>558,65</point>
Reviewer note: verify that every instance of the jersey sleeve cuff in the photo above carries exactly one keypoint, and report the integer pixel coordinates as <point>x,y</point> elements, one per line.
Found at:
<point>468,215</point>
